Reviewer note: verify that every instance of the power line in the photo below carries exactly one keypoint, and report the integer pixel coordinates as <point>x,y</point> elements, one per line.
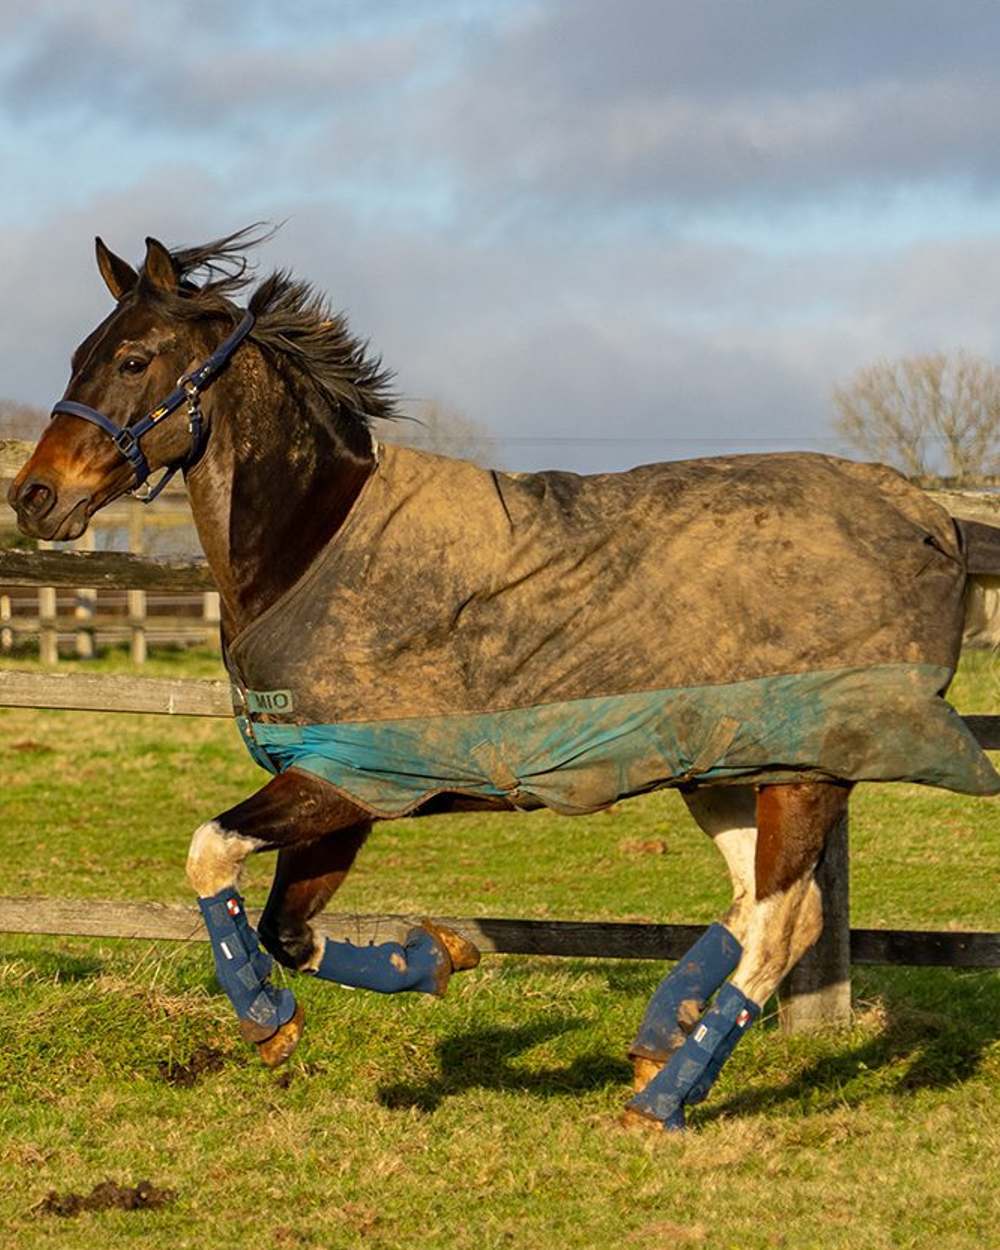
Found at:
<point>575,440</point>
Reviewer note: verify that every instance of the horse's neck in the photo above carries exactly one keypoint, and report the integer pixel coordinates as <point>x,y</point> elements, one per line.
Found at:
<point>273,487</point>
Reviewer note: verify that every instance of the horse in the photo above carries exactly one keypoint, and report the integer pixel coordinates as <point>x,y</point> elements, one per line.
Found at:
<point>409,634</point>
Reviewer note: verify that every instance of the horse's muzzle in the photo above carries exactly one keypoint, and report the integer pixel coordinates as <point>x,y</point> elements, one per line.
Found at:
<point>44,512</point>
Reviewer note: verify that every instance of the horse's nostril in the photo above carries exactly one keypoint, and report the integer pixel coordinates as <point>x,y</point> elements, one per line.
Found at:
<point>37,499</point>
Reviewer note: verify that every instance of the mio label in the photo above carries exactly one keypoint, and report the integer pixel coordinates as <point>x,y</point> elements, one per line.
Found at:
<point>275,701</point>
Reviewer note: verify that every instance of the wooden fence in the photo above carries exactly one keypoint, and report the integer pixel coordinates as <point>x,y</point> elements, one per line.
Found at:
<point>81,617</point>
<point>78,622</point>
<point>817,994</point>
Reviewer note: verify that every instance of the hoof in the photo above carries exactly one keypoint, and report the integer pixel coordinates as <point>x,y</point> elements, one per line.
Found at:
<point>643,1071</point>
<point>459,953</point>
<point>280,1045</point>
<point>635,1122</point>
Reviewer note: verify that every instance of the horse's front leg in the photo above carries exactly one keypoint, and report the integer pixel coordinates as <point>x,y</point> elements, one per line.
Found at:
<point>317,834</point>
<point>291,808</point>
<point>304,882</point>
<point>786,918</point>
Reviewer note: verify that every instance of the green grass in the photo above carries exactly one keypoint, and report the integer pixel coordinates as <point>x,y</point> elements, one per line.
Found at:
<point>487,1119</point>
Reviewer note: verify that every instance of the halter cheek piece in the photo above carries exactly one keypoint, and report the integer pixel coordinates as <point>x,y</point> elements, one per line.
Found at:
<point>128,438</point>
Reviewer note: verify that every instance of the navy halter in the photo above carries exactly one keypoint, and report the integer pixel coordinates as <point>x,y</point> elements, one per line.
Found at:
<point>128,438</point>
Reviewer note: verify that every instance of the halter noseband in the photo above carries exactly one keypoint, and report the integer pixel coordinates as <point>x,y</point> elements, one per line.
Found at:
<point>128,438</point>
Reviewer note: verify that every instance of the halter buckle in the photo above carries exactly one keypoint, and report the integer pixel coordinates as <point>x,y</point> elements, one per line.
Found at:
<point>126,442</point>
<point>191,390</point>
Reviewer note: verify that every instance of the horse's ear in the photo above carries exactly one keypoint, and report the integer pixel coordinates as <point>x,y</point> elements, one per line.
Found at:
<point>118,274</point>
<point>158,267</point>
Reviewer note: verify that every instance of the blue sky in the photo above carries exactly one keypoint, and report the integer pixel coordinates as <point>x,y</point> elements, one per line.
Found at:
<point>609,233</point>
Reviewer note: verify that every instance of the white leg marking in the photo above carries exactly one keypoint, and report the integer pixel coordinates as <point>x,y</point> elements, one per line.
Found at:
<point>216,857</point>
<point>312,963</point>
<point>782,928</point>
<point>728,814</point>
<point>808,925</point>
<point>982,612</point>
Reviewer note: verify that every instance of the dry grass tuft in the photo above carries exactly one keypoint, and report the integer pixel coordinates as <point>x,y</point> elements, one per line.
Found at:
<point>665,1234</point>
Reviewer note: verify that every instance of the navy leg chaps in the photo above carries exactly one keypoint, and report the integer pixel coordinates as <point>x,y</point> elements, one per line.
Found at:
<point>691,1070</point>
<point>682,994</point>
<point>243,969</point>
<point>420,965</point>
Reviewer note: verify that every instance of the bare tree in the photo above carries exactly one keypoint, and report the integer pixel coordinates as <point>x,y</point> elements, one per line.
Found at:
<point>433,427</point>
<point>933,416</point>
<point>20,420</point>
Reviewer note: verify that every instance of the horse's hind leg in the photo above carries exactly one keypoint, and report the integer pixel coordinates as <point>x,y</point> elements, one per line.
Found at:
<point>728,815</point>
<point>793,822</point>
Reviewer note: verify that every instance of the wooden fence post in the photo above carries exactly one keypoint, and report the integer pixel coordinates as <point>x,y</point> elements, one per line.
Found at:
<point>816,994</point>
<point>48,638</point>
<point>211,611</point>
<point>137,620</point>
<point>86,599</point>
<point>136,599</point>
<point>6,632</point>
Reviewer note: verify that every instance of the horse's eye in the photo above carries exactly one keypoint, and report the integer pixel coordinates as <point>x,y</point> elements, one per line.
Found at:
<point>133,364</point>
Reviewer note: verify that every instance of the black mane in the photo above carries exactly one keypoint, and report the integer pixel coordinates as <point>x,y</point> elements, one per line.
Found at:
<point>294,322</point>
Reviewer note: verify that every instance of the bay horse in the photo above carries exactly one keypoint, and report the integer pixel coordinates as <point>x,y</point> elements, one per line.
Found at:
<point>271,423</point>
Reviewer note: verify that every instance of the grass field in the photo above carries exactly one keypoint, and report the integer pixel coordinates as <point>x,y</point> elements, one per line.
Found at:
<point>487,1119</point>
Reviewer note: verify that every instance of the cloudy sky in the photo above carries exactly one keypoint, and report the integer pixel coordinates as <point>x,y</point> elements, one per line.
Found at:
<point>610,232</point>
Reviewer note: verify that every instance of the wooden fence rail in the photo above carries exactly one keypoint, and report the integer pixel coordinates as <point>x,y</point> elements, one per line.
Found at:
<point>103,569</point>
<point>200,696</point>
<point>174,922</point>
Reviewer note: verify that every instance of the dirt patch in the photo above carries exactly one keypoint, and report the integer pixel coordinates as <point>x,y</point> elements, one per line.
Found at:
<point>204,1061</point>
<point>360,1218</point>
<point>107,1196</point>
<point>643,846</point>
<point>30,747</point>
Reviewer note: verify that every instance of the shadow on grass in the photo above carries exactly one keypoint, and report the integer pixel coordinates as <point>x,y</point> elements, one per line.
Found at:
<point>482,1059</point>
<point>938,1025</point>
<point>54,965</point>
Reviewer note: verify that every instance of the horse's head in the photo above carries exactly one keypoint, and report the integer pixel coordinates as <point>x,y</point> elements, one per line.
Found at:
<point>121,374</point>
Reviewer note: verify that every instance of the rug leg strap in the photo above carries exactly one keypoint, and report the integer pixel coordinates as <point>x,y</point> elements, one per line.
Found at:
<point>692,1069</point>
<point>681,996</point>
<point>243,969</point>
<point>417,965</point>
